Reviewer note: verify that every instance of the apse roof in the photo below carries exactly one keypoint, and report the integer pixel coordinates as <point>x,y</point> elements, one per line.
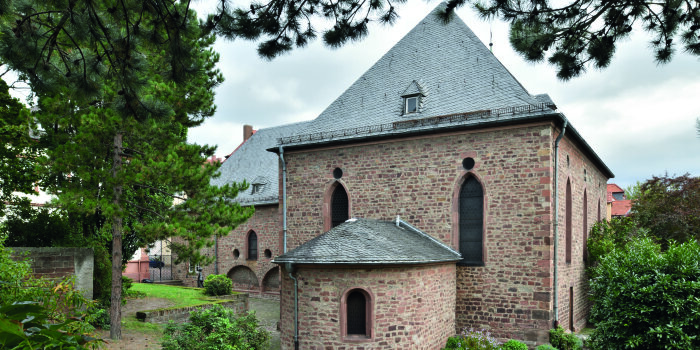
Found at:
<point>371,242</point>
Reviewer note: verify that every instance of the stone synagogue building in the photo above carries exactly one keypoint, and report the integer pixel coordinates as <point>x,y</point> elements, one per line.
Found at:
<point>435,194</point>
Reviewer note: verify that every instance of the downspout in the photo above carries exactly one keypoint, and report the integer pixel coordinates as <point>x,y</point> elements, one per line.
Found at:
<point>290,267</point>
<point>556,222</point>
<point>216,254</point>
<point>284,202</point>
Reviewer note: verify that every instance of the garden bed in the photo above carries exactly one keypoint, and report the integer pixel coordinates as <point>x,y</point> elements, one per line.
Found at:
<point>237,302</point>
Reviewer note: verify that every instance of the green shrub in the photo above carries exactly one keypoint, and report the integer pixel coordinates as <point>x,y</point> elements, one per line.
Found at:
<point>645,298</point>
<point>514,345</point>
<point>98,318</point>
<point>28,325</point>
<point>214,329</point>
<point>545,347</point>
<point>564,341</point>
<point>13,274</point>
<point>217,285</point>
<point>473,340</point>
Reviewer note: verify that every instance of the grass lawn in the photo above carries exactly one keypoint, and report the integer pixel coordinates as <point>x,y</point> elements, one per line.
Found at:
<point>180,296</point>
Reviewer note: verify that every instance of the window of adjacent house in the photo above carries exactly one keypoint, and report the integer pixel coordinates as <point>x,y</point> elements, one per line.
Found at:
<point>252,246</point>
<point>257,188</point>
<point>356,312</point>
<point>471,222</point>
<point>410,104</point>
<point>585,226</point>
<point>568,221</point>
<point>618,196</point>
<point>339,206</point>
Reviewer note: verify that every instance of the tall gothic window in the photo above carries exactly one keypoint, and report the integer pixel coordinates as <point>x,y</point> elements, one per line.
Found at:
<point>471,222</point>
<point>339,206</point>
<point>252,246</point>
<point>568,221</point>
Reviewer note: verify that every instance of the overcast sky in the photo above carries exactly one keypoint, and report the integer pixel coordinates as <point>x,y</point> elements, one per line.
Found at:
<point>638,116</point>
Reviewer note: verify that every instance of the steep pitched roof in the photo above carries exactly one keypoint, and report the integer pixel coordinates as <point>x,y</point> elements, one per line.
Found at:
<point>252,163</point>
<point>462,85</point>
<point>455,70</point>
<point>368,241</point>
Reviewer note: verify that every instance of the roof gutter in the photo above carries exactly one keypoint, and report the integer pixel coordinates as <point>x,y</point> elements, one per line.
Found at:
<point>493,122</point>
<point>556,221</point>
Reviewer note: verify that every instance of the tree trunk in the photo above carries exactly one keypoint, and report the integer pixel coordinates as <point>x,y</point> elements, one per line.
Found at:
<point>115,309</point>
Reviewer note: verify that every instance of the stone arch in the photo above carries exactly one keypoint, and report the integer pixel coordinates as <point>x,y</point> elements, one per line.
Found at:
<point>243,278</point>
<point>271,281</point>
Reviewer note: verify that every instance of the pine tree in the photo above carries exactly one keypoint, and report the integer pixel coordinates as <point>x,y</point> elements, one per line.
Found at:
<point>118,83</point>
<point>580,33</point>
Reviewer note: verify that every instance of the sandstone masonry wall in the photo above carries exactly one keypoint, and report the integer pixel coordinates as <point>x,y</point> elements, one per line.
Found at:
<point>258,276</point>
<point>419,177</point>
<point>413,306</point>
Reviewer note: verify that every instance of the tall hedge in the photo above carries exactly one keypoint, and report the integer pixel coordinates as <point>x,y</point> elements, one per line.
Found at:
<point>647,299</point>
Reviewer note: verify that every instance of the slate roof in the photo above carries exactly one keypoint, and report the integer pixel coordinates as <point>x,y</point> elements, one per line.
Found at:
<point>371,242</point>
<point>461,83</point>
<point>455,70</point>
<point>251,162</point>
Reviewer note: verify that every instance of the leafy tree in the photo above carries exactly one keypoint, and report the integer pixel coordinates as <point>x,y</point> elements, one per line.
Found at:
<point>579,33</point>
<point>118,83</point>
<point>633,191</point>
<point>669,207</point>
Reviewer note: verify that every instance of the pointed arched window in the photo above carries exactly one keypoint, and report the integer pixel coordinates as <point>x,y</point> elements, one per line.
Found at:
<point>568,221</point>
<point>339,206</point>
<point>471,222</point>
<point>252,246</point>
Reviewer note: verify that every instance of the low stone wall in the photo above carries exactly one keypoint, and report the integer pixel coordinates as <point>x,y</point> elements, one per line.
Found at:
<point>59,262</point>
<point>237,302</point>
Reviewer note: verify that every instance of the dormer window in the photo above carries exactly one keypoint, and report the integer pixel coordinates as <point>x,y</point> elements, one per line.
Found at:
<point>410,104</point>
<point>258,185</point>
<point>412,98</point>
<point>257,188</point>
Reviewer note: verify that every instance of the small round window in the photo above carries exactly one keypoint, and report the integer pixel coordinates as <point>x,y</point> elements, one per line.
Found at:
<point>337,173</point>
<point>268,253</point>
<point>468,163</point>
<point>236,254</point>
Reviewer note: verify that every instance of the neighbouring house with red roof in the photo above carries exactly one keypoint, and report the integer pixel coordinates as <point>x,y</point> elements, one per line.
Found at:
<point>618,205</point>
<point>435,194</point>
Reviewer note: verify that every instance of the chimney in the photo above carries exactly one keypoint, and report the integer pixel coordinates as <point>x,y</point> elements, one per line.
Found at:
<point>247,132</point>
